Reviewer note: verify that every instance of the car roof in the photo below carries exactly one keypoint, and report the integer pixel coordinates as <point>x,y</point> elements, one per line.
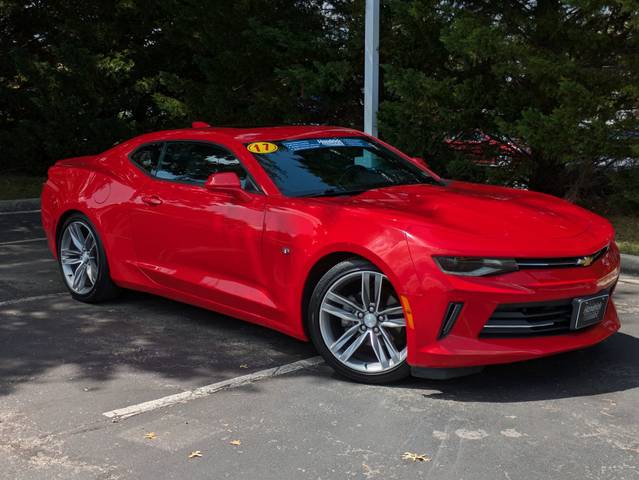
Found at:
<point>258,134</point>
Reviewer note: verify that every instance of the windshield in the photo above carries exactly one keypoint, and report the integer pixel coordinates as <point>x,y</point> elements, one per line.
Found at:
<point>336,166</point>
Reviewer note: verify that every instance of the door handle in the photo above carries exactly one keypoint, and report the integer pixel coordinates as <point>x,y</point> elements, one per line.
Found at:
<point>152,200</point>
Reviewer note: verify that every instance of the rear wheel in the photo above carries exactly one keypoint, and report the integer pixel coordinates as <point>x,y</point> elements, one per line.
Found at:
<point>357,323</point>
<point>82,261</point>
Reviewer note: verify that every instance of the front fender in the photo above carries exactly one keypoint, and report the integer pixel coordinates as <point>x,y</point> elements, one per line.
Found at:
<point>296,239</point>
<point>388,251</point>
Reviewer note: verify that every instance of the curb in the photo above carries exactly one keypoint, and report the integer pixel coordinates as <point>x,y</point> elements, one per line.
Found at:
<point>19,205</point>
<point>629,264</point>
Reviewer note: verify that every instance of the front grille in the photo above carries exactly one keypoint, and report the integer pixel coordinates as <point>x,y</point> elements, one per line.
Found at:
<point>530,319</point>
<point>563,262</point>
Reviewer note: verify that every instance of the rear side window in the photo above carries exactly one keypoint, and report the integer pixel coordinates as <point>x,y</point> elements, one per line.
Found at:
<point>147,157</point>
<point>191,162</point>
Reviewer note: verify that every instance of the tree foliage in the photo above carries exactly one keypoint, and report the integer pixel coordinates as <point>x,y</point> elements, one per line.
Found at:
<point>78,76</point>
<point>558,76</point>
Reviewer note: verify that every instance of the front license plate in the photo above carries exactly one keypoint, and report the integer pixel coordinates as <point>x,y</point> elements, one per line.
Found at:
<point>588,311</point>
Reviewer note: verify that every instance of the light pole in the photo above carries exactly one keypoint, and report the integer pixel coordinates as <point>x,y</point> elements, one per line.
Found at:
<point>371,67</point>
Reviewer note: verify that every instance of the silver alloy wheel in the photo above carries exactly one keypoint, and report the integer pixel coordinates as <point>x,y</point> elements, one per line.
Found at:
<point>79,257</point>
<point>362,322</point>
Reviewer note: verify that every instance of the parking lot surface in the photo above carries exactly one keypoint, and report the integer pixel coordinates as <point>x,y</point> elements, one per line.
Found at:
<point>64,364</point>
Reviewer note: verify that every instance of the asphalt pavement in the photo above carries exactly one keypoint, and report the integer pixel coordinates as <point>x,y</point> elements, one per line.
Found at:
<point>64,364</point>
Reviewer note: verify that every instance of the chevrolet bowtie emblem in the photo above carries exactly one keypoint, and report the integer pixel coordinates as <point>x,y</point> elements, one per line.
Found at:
<point>586,261</point>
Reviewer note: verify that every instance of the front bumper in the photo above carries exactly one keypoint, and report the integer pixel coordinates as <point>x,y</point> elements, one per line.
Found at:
<point>463,346</point>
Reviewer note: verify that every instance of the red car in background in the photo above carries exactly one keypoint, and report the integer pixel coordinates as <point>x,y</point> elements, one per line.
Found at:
<point>331,235</point>
<point>487,150</point>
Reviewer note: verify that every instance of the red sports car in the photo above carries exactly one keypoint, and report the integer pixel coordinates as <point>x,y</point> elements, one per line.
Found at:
<point>331,235</point>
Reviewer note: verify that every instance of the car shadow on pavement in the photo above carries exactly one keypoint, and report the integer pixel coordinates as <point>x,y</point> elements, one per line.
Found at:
<point>610,366</point>
<point>135,333</point>
<point>193,347</point>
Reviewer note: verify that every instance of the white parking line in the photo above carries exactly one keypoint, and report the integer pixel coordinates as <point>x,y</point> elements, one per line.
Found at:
<point>200,392</point>
<point>627,279</point>
<point>15,242</point>
<point>20,211</point>
<point>16,301</point>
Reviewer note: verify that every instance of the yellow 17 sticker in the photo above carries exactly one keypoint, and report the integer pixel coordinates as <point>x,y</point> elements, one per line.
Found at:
<point>262,147</point>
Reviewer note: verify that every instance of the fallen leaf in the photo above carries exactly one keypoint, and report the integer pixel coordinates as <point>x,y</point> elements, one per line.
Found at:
<point>150,436</point>
<point>415,457</point>
<point>235,442</point>
<point>244,365</point>
<point>195,454</point>
<point>368,472</point>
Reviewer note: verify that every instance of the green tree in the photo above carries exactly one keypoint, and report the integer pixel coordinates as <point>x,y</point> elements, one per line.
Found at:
<point>561,77</point>
<point>77,77</point>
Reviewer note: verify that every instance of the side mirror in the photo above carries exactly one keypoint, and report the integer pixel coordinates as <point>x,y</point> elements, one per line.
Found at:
<point>422,161</point>
<point>225,183</point>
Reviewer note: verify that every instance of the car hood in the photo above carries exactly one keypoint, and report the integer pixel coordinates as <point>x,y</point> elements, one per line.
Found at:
<point>489,218</point>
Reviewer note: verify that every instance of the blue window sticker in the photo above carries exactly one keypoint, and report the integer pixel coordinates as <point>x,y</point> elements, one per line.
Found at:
<point>313,143</point>
<point>358,142</point>
<point>330,142</point>
<point>296,145</point>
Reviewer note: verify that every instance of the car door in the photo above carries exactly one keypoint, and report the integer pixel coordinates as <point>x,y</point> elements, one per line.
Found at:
<point>191,240</point>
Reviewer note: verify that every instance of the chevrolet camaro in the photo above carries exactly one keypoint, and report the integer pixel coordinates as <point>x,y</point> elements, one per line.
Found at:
<point>333,236</point>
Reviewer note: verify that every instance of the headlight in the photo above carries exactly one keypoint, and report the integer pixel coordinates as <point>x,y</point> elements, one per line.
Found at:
<point>476,267</point>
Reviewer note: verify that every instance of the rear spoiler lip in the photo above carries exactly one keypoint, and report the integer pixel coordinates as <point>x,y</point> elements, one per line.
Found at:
<point>75,161</point>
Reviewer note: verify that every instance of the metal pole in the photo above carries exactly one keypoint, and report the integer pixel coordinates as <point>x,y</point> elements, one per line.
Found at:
<point>371,67</point>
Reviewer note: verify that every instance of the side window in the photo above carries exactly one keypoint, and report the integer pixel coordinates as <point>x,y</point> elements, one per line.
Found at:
<point>191,162</point>
<point>147,157</point>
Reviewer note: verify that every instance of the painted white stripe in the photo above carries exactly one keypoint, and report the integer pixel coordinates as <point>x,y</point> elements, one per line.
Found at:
<point>200,392</point>
<point>20,212</point>
<point>21,264</point>
<point>16,301</point>
<point>627,279</point>
<point>15,242</point>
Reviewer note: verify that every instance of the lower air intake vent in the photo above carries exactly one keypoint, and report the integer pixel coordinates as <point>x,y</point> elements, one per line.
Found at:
<point>525,320</point>
<point>450,317</point>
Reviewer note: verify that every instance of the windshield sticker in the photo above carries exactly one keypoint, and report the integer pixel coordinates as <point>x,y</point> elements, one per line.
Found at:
<point>301,145</point>
<point>358,142</point>
<point>330,142</point>
<point>262,147</point>
<point>313,143</point>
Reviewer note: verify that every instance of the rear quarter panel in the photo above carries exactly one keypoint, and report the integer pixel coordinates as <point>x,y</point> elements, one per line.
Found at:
<point>98,188</point>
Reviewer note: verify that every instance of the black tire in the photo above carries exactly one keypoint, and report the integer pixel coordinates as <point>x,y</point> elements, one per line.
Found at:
<point>346,267</point>
<point>103,288</point>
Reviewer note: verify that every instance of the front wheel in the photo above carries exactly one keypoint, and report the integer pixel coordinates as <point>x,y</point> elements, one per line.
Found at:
<point>357,323</point>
